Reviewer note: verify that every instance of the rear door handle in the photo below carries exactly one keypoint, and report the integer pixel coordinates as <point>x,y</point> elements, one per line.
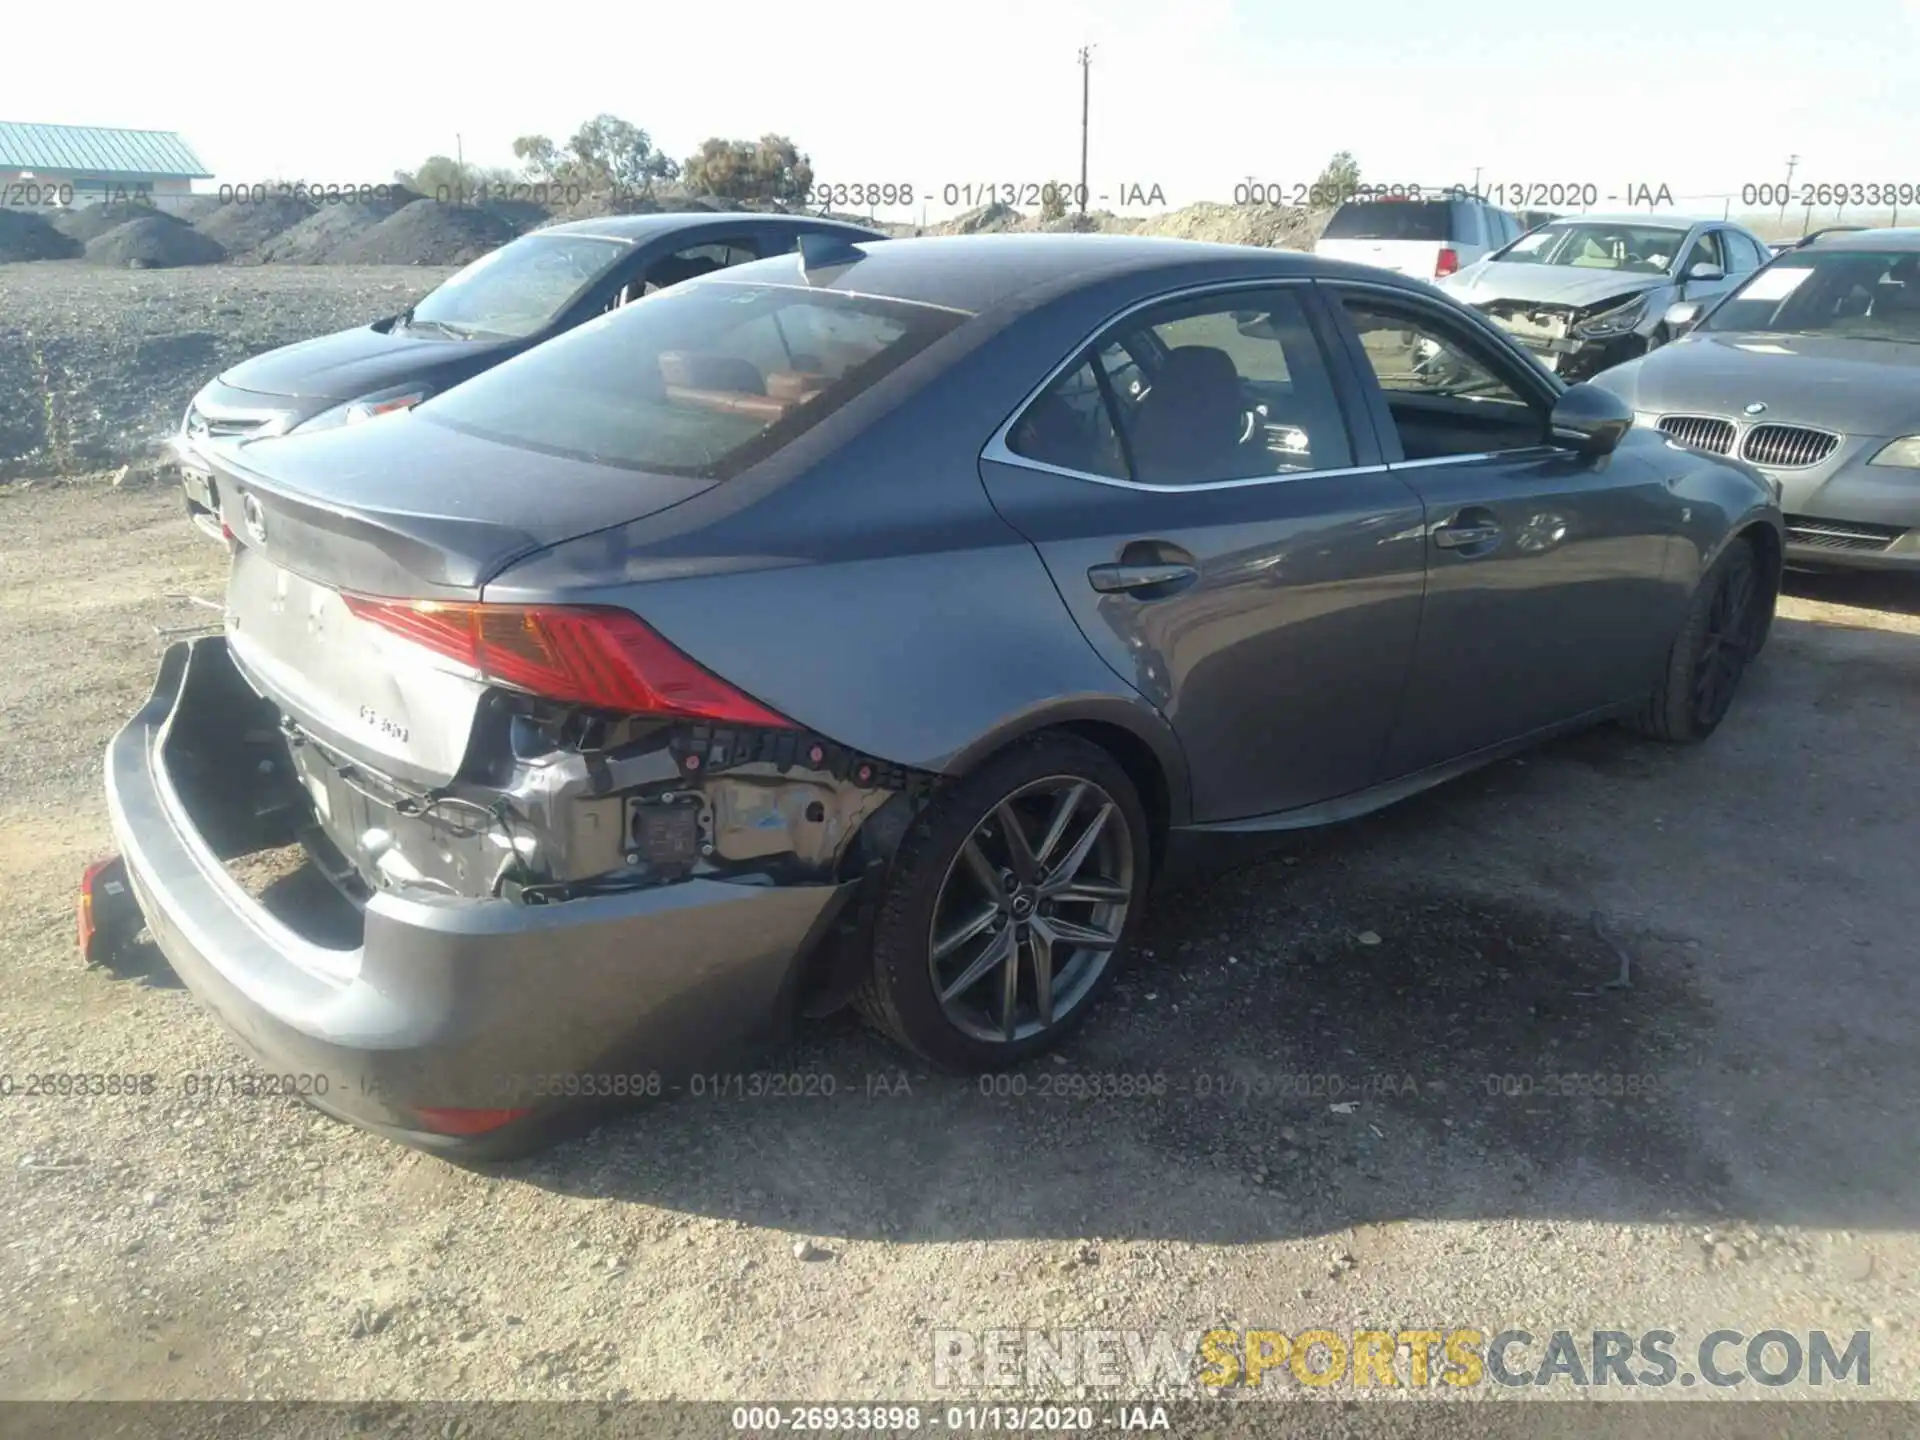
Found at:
<point>1465,537</point>
<point>1112,579</point>
<point>1470,529</point>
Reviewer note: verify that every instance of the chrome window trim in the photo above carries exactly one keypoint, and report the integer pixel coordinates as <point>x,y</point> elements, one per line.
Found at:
<point>1000,453</point>
<point>1007,457</point>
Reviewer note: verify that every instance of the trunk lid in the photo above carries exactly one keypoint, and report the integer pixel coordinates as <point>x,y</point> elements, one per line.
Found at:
<point>395,506</point>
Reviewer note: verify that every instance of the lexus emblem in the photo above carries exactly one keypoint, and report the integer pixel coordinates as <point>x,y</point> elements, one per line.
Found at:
<point>255,519</point>
<point>1756,407</point>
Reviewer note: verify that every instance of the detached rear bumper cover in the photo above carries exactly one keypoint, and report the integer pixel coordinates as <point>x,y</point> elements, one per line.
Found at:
<point>463,1004</point>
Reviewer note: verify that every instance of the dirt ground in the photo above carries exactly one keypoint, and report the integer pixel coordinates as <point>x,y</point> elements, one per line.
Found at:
<point>1418,963</point>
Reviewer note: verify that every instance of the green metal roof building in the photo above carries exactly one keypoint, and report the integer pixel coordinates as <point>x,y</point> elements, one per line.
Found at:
<point>92,158</point>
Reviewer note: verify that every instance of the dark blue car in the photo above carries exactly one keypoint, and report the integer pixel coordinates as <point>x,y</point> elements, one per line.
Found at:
<point>508,301</point>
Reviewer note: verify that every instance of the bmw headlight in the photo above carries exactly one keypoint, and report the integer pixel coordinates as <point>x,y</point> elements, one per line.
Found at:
<point>352,412</point>
<point>1617,321</point>
<point>1904,452</point>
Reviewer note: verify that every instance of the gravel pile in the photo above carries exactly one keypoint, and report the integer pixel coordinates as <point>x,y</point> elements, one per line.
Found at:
<point>153,242</point>
<point>426,233</point>
<point>90,222</point>
<point>1274,226</point>
<point>26,236</point>
<point>242,227</point>
<point>103,362</point>
<point>984,220</point>
<point>315,239</point>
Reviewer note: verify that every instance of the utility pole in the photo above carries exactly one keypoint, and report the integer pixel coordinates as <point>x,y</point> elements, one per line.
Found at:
<point>1792,160</point>
<point>1476,182</point>
<point>1086,77</point>
<point>460,161</point>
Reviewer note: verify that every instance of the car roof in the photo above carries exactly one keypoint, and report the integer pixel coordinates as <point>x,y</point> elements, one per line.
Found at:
<point>976,273</point>
<point>1638,217</point>
<point>636,228</point>
<point>1888,238</point>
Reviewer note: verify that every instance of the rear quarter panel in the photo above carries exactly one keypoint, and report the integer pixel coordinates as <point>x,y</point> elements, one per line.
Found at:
<point>861,582</point>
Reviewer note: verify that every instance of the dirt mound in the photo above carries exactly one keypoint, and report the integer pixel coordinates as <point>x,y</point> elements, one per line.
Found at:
<point>194,208</point>
<point>153,242</point>
<point>427,233</point>
<point>90,222</point>
<point>314,239</point>
<point>1273,226</point>
<point>243,225</point>
<point>522,215</point>
<point>983,220</point>
<point>26,236</point>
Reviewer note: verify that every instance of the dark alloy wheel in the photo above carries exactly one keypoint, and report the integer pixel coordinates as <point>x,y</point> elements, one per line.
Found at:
<point>1008,905</point>
<point>1726,626</point>
<point>1727,642</point>
<point>1031,910</point>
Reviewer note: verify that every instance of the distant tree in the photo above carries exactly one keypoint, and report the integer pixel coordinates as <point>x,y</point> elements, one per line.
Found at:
<point>538,155</point>
<point>770,168</point>
<point>1053,203</point>
<point>443,176</point>
<point>1341,176</point>
<point>605,154</point>
<point>610,153</point>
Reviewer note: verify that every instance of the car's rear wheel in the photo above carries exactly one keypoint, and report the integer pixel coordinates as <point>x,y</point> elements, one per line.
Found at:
<point>1726,624</point>
<point>1008,905</point>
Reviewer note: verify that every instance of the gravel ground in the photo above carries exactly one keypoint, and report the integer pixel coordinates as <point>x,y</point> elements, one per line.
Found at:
<point>181,1247</point>
<point>100,366</point>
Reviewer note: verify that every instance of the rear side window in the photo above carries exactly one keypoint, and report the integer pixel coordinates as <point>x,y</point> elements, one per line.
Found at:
<point>1194,392</point>
<point>1390,220</point>
<point>703,379</point>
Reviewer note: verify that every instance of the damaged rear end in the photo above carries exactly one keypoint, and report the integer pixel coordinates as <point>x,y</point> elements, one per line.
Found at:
<point>459,863</point>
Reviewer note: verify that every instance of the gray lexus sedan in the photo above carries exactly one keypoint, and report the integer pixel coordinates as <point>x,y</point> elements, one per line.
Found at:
<point>873,625</point>
<point>1811,372</point>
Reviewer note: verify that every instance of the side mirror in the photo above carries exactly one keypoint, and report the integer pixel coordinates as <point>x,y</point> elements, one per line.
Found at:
<point>1706,271</point>
<point>1683,315</point>
<point>1592,420</point>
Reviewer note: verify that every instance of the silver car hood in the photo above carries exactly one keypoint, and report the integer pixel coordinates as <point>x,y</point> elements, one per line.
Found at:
<point>1857,387</point>
<point>1486,280</point>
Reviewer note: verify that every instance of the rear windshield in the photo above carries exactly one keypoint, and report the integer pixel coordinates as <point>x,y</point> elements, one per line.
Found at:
<point>703,379</point>
<point>1391,220</point>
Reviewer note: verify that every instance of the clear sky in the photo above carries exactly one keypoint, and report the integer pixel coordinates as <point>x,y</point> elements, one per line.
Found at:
<point>1191,95</point>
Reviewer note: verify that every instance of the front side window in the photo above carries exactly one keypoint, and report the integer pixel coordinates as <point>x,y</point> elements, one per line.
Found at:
<point>519,289</point>
<point>1449,393</point>
<point>1194,392</point>
<point>1848,294</point>
<point>704,379</point>
<point>1707,250</point>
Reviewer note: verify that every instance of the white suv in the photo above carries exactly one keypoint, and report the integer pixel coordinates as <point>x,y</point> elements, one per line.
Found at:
<point>1427,239</point>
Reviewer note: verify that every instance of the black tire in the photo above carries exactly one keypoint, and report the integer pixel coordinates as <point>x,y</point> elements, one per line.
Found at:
<point>899,997</point>
<point>1726,625</point>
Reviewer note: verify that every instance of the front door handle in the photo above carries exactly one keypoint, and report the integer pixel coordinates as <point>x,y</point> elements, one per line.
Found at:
<point>1112,579</point>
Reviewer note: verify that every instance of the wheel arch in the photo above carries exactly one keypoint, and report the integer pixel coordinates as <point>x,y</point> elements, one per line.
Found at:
<point>1141,742</point>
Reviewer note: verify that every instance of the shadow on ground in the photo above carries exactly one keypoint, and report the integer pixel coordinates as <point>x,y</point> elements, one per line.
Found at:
<point>1382,1023</point>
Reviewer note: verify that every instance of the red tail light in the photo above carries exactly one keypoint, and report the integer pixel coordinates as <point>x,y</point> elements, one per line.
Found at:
<point>446,1121</point>
<point>1449,262</point>
<point>591,655</point>
<point>87,926</point>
